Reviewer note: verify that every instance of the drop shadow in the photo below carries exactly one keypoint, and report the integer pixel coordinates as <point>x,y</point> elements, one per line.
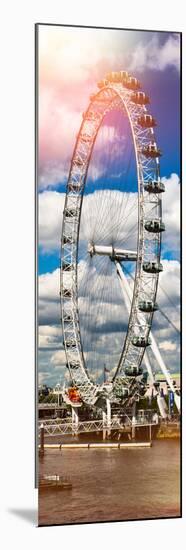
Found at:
<point>30,515</point>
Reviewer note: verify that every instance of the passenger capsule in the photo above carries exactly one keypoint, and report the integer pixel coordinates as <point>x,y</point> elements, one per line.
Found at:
<point>147,121</point>
<point>154,187</point>
<point>154,226</point>
<point>152,267</point>
<point>140,98</point>
<point>133,371</point>
<point>141,341</point>
<point>147,306</point>
<point>74,395</point>
<point>132,83</point>
<point>113,77</point>
<point>151,151</point>
<point>124,75</point>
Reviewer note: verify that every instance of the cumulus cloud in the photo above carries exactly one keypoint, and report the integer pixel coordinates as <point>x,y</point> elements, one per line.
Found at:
<point>51,205</point>
<point>58,358</point>
<point>67,78</point>
<point>155,55</point>
<point>49,305</point>
<point>65,74</point>
<point>103,313</point>
<point>103,341</point>
<point>109,213</point>
<point>171,215</point>
<point>49,336</point>
<point>167,346</point>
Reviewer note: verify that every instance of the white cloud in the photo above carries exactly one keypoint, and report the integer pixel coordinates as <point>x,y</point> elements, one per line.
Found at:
<point>49,304</point>
<point>49,336</point>
<point>167,346</point>
<point>107,316</point>
<point>58,358</point>
<point>156,56</point>
<point>171,214</point>
<point>111,208</point>
<point>51,205</point>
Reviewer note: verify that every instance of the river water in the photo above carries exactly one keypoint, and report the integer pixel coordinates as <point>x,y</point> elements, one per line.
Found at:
<point>112,484</point>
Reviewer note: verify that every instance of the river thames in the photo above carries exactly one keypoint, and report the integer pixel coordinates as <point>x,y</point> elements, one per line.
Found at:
<point>112,484</point>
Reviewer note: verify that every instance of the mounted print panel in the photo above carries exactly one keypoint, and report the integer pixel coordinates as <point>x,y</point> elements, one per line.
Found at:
<point>108,182</point>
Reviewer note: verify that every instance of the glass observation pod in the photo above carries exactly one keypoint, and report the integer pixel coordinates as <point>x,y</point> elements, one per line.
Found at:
<point>151,151</point>
<point>147,121</point>
<point>133,371</point>
<point>154,226</point>
<point>67,266</point>
<point>154,187</point>
<point>141,341</point>
<point>118,77</point>
<point>102,83</point>
<point>147,306</point>
<point>152,267</point>
<point>140,98</point>
<point>70,213</point>
<point>132,83</point>
<point>73,395</point>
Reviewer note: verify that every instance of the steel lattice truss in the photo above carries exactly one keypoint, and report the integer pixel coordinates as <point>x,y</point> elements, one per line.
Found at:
<point>115,93</point>
<point>59,428</point>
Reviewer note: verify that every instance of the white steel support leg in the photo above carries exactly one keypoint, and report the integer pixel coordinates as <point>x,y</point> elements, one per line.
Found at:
<point>108,417</point>
<point>127,290</point>
<point>133,420</point>
<point>104,415</point>
<point>75,420</point>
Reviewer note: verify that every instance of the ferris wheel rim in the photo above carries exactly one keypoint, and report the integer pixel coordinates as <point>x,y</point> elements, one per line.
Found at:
<point>82,376</point>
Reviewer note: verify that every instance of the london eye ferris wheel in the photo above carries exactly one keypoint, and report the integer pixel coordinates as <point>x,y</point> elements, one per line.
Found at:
<point>111,242</point>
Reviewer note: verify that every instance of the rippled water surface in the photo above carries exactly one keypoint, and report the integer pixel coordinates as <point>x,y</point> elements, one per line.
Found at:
<point>112,484</point>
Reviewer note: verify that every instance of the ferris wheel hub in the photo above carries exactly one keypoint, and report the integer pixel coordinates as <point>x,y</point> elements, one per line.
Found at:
<point>119,254</point>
